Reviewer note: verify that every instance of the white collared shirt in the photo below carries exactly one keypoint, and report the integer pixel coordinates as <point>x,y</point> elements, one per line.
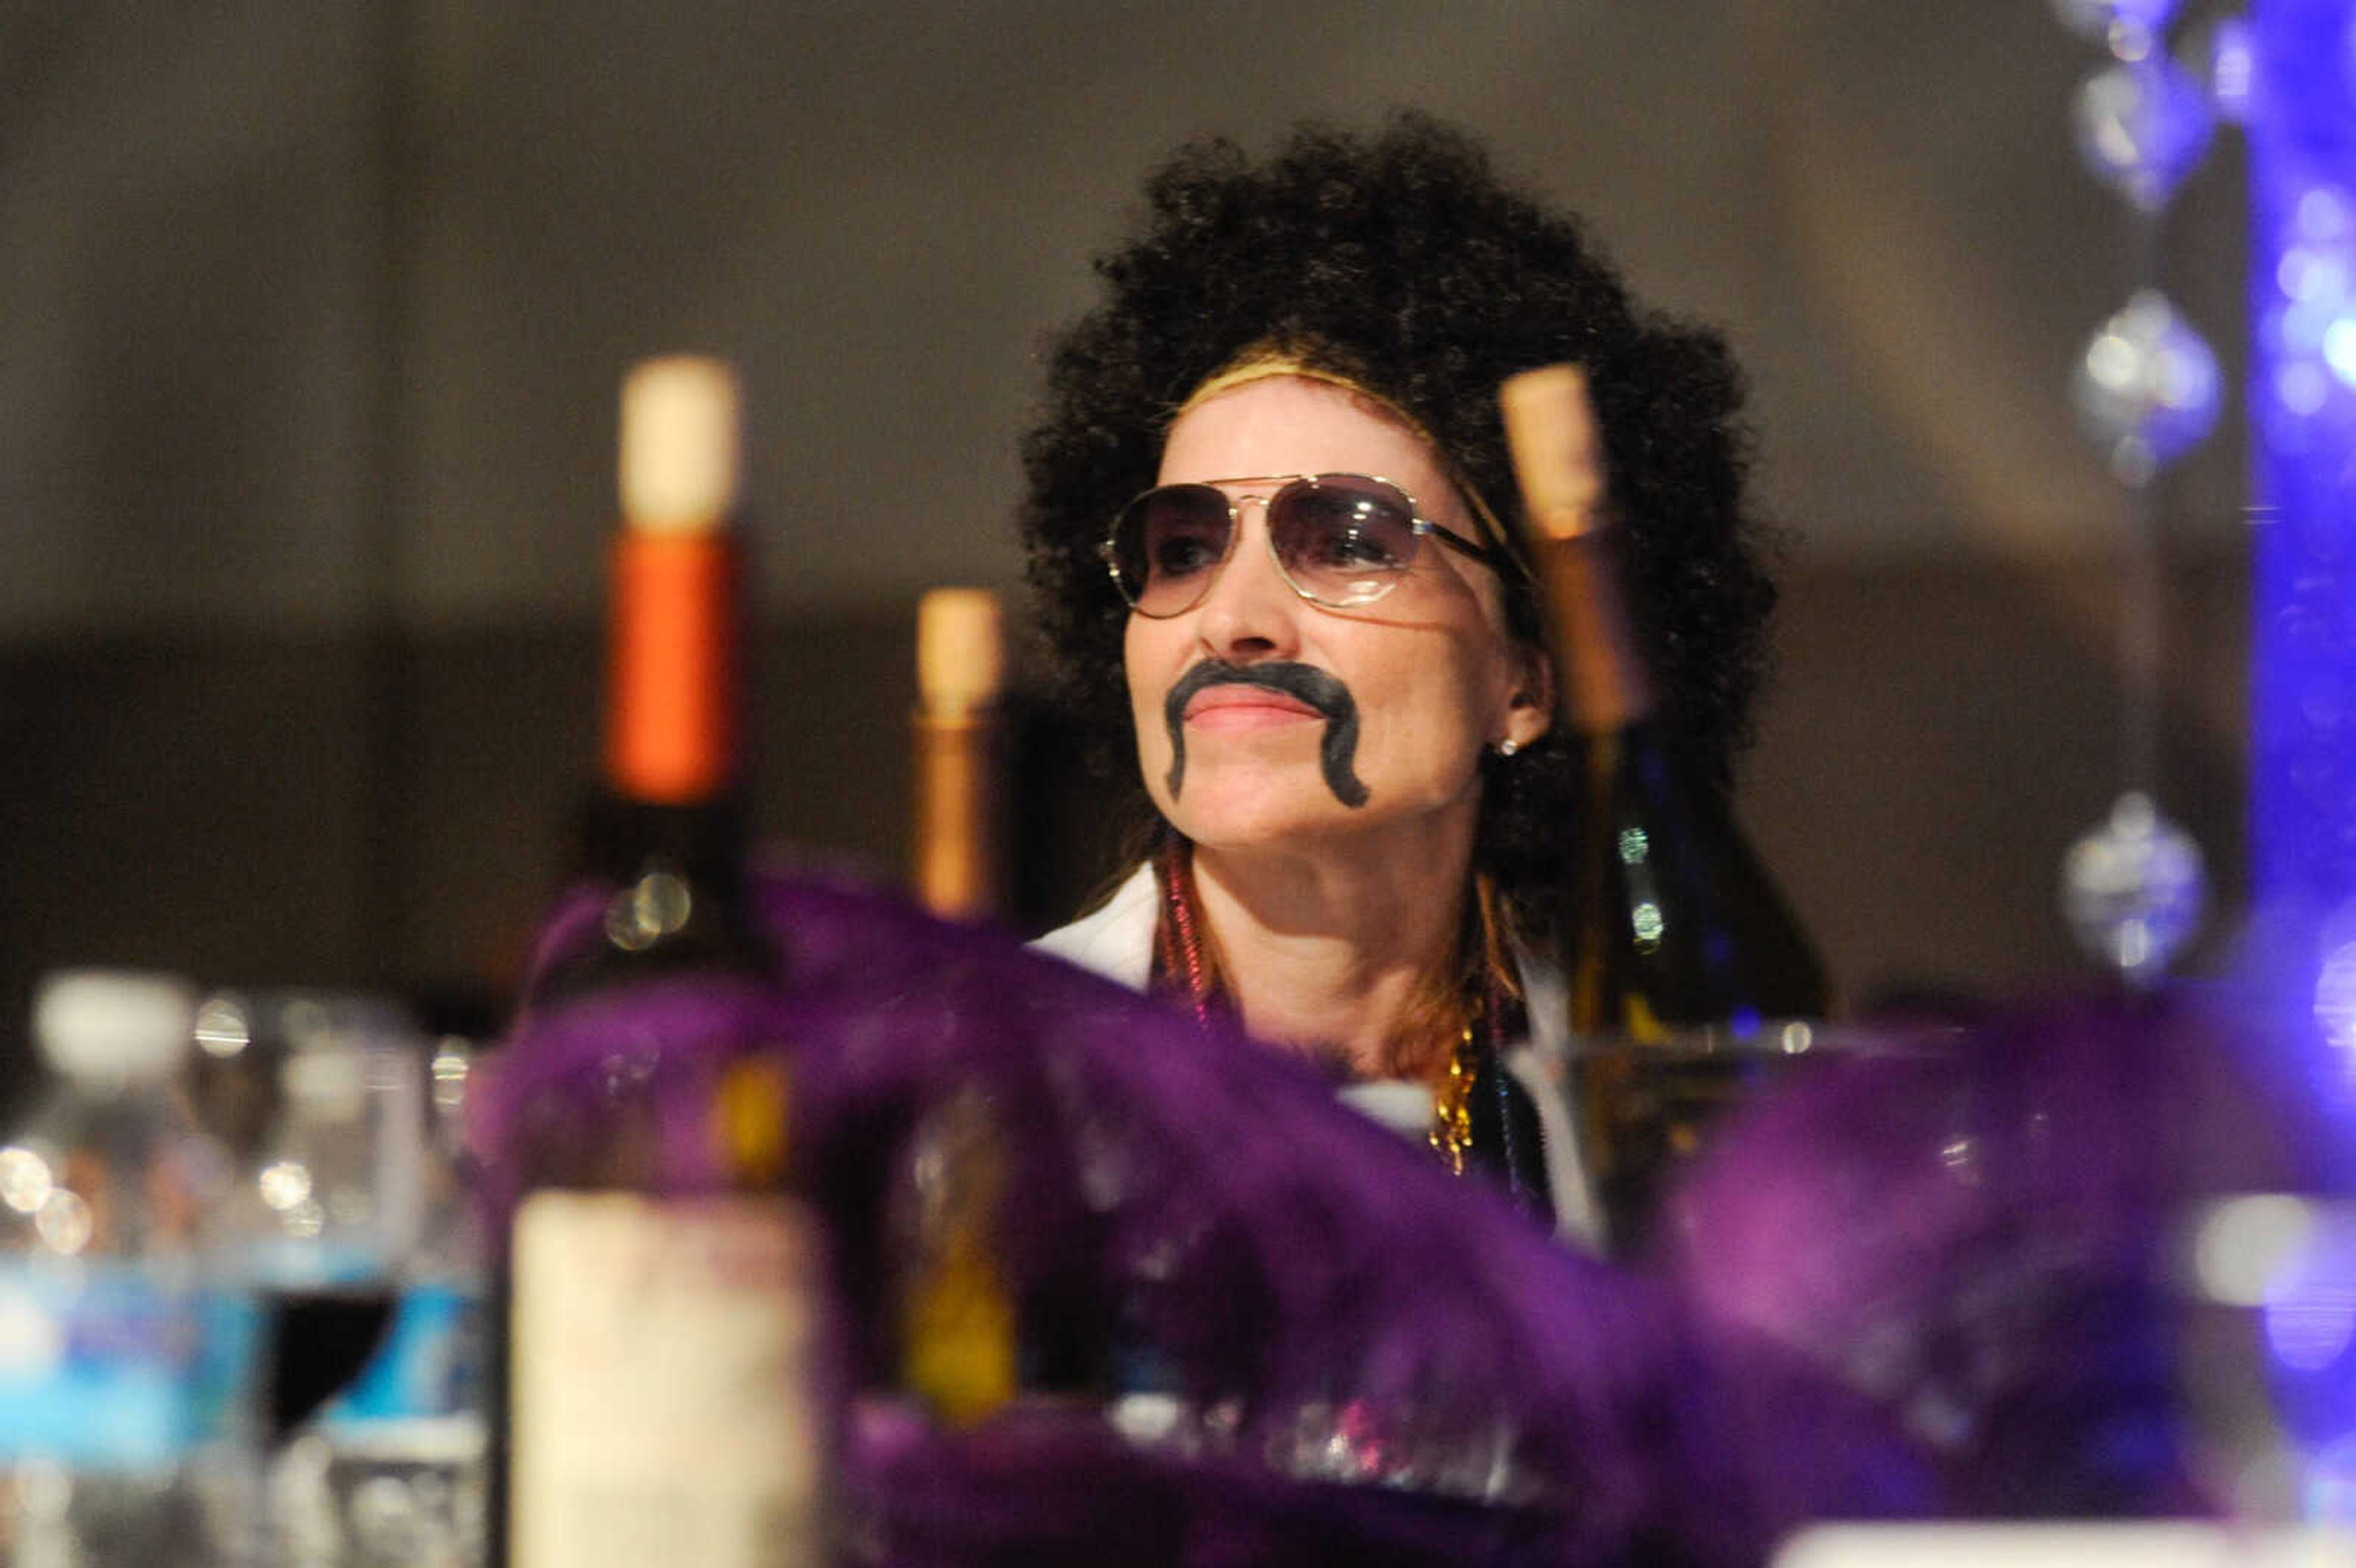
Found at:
<point>1116,941</point>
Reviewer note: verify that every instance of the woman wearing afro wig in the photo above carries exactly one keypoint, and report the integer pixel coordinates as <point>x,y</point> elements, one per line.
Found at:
<point>1263,525</point>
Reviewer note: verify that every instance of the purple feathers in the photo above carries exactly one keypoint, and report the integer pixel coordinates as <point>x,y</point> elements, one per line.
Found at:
<point>1915,1283</point>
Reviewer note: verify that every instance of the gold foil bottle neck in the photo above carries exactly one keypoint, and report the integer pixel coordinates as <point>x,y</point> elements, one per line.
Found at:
<point>1550,429</point>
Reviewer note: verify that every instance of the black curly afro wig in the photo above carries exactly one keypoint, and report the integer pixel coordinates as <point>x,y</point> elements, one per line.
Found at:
<point>1402,261</point>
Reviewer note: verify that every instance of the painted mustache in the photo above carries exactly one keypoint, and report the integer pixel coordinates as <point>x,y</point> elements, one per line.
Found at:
<point>1336,752</point>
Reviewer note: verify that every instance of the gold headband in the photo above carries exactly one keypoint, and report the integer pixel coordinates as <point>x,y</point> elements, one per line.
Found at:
<point>1262,361</point>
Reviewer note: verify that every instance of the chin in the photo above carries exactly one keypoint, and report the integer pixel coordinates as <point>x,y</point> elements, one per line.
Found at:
<point>1242,813</point>
<point>1237,816</point>
<point>1273,819</point>
<point>1232,837</point>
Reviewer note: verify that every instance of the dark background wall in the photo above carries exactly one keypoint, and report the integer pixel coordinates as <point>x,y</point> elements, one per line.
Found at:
<point>314,317</point>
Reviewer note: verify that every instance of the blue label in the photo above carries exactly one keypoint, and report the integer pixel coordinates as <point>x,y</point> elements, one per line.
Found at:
<point>105,1365</point>
<point>229,1360</point>
<point>430,1363</point>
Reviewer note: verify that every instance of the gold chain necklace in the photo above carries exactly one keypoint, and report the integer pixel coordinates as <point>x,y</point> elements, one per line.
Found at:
<point>1451,1108</point>
<point>1181,958</point>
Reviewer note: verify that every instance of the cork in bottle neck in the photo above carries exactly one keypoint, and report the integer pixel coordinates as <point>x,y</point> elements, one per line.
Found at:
<point>1574,545</point>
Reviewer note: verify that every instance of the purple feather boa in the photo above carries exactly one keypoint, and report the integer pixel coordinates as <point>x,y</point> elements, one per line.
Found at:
<point>1845,1318</point>
<point>1978,1243</point>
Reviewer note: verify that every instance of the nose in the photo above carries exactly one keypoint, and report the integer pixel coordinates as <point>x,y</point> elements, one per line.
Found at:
<point>1251,611</point>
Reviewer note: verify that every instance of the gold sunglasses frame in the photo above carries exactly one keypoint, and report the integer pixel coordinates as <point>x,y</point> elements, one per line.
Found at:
<point>1497,558</point>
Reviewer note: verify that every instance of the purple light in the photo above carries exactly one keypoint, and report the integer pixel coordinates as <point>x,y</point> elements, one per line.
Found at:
<point>2300,114</point>
<point>2142,127</point>
<point>2230,69</point>
<point>2128,27</point>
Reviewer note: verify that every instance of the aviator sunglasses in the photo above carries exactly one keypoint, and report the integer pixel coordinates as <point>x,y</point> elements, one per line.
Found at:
<point>1340,540</point>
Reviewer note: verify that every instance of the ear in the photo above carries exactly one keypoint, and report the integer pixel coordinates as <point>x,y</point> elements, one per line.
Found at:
<point>1529,707</point>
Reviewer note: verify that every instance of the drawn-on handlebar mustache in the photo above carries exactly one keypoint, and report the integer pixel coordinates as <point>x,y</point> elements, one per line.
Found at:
<point>1336,752</point>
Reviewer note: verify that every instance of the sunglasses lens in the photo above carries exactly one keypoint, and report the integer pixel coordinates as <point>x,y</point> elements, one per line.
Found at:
<point>1344,540</point>
<point>1166,545</point>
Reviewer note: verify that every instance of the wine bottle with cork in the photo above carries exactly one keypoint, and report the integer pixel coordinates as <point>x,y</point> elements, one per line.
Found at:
<point>667,829</point>
<point>957,867</point>
<point>959,1328</point>
<point>660,1364</point>
<point>1690,978</point>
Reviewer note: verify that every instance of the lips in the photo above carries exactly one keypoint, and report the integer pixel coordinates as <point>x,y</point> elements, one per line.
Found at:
<point>1216,694</point>
<point>1246,707</point>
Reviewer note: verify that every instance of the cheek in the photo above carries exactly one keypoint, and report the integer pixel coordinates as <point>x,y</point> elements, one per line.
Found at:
<point>1439,716</point>
<point>1419,750</point>
<point>1148,686</point>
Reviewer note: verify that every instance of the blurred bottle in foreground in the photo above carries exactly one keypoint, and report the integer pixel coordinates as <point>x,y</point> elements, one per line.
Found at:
<point>667,833</point>
<point>126,1355</point>
<point>957,870</point>
<point>1689,974</point>
<point>664,1283</point>
<point>377,1382</point>
<point>331,1202</point>
<point>955,1318</point>
<point>955,1306</point>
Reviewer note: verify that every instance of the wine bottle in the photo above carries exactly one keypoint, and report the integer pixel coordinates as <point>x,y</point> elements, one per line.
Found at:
<point>957,1349</point>
<point>1689,975</point>
<point>661,1394</point>
<point>970,1341</point>
<point>956,870</point>
<point>666,832</point>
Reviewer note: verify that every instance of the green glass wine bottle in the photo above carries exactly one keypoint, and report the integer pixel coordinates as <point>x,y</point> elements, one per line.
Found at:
<point>1690,978</point>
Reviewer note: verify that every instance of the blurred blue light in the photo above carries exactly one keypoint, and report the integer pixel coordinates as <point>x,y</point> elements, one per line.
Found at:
<point>2308,1328</point>
<point>2310,272</point>
<point>2303,325</point>
<point>2321,212</point>
<point>2301,387</point>
<point>2300,115</point>
<point>2328,1492</point>
<point>2230,69</point>
<point>2142,127</point>
<point>2303,1263</point>
<point>2339,348</point>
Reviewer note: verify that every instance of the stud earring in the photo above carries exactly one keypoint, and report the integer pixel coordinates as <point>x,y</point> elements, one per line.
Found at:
<point>1508,746</point>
